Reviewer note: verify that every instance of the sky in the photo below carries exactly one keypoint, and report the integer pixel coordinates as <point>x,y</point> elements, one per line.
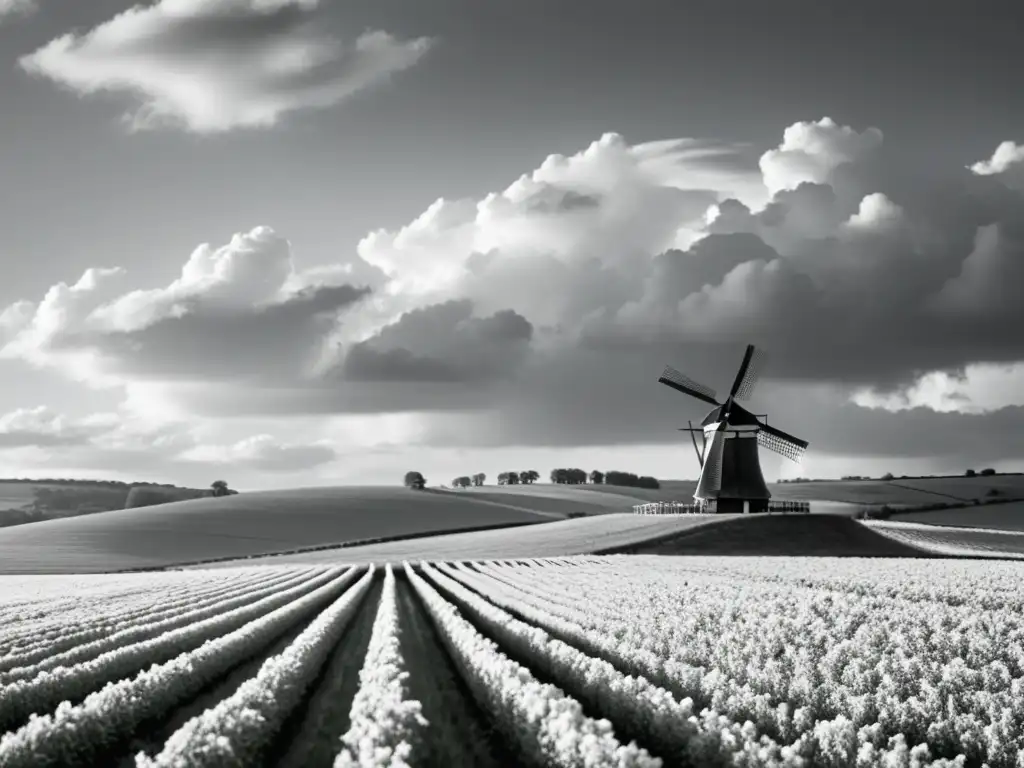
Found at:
<point>298,242</point>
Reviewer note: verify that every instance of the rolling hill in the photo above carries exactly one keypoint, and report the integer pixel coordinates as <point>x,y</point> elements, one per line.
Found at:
<point>246,524</point>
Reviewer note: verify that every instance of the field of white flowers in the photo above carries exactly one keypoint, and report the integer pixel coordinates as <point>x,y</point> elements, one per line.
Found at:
<point>574,661</point>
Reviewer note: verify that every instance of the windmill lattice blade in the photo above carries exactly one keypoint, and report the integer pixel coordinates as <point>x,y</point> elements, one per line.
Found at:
<point>748,374</point>
<point>781,442</point>
<point>673,378</point>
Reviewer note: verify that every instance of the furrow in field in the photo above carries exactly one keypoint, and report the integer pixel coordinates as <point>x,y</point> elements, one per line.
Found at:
<point>242,728</point>
<point>458,731</point>
<point>542,726</point>
<point>386,725</point>
<point>118,629</point>
<point>92,732</point>
<point>311,736</point>
<point>51,687</point>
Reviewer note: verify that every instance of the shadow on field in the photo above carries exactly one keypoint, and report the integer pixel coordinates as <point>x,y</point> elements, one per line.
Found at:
<point>778,535</point>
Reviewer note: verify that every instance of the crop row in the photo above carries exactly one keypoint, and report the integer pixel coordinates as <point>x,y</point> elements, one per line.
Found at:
<point>120,627</point>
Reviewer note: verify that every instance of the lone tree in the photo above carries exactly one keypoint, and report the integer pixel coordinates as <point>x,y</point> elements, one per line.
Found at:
<point>415,481</point>
<point>970,473</point>
<point>597,477</point>
<point>478,478</point>
<point>461,482</point>
<point>220,488</point>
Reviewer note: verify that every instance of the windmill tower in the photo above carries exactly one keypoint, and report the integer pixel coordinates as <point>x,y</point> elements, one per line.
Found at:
<point>730,470</point>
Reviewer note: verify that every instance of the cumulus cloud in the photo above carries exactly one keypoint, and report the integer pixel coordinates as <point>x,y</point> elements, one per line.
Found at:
<point>977,389</point>
<point>1006,164</point>
<point>542,314</point>
<point>812,151</point>
<point>212,66</point>
<point>236,313</point>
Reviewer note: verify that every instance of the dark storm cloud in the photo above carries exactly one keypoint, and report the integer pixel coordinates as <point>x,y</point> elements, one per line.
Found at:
<point>554,200</point>
<point>441,343</point>
<point>210,342</point>
<point>586,401</point>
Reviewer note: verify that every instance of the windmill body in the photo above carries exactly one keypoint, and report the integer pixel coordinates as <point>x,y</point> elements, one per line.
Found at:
<point>731,480</point>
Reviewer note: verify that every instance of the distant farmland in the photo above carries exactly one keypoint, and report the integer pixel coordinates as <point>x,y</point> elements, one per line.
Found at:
<point>24,501</point>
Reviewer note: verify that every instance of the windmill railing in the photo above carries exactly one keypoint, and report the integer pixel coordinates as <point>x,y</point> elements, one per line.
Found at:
<point>690,508</point>
<point>667,508</point>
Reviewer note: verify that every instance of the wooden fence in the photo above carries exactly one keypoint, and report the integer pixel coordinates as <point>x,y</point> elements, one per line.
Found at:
<point>689,508</point>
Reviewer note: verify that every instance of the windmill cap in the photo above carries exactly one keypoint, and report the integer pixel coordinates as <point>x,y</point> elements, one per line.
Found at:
<point>738,416</point>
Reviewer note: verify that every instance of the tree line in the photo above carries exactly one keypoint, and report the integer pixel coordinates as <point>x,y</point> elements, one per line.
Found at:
<point>563,476</point>
<point>575,476</point>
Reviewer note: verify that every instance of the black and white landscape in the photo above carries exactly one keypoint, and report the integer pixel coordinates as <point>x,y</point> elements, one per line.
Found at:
<point>330,423</point>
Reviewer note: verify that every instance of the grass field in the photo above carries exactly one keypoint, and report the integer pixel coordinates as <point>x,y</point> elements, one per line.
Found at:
<point>562,499</point>
<point>954,541</point>
<point>783,535</point>
<point>553,539</point>
<point>1006,517</point>
<point>627,660</point>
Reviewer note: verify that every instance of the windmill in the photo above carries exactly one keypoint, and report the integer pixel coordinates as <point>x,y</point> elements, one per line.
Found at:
<point>730,470</point>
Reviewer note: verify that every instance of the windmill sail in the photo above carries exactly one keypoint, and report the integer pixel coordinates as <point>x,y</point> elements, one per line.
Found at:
<point>748,374</point>
<point>781,442</point>
<point>673,378</point>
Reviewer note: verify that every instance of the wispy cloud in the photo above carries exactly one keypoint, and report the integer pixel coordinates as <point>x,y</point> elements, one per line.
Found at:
<point>211,67</point>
